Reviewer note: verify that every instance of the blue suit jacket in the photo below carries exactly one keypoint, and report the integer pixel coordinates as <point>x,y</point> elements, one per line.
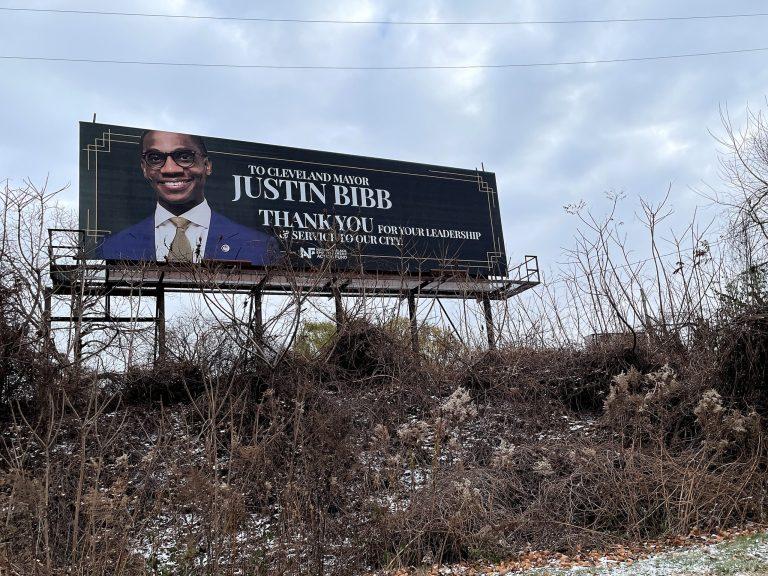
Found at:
<point>227,240</point>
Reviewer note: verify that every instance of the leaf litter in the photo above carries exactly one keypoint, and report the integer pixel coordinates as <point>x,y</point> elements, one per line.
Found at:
<point>741,552</point>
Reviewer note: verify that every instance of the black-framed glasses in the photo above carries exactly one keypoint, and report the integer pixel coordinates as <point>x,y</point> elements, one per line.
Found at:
<point>183,157</point>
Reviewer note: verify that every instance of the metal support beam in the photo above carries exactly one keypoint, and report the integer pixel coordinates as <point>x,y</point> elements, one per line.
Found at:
<point>77,344</point>
<point>160,323</point>
<point>47,321</point>
<point>127,319</point>
<point>414,325</point>
<point>340,319</point>
<point>256,320</point>
<point>489,322</point>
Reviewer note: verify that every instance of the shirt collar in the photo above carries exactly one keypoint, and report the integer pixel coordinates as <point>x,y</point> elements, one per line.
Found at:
<point>200,214</point>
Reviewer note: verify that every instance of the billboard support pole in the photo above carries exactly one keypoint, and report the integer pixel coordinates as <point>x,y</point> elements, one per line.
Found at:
<point>78,304</point>
<point>414,326</point>
<point>256,320</point>
<point>489,322</point>
<point>339,306</point>
<point>47,320</point>
<point>160,321</point>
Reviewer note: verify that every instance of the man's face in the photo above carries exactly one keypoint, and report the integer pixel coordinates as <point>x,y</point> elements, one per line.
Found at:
<point>176,186</point>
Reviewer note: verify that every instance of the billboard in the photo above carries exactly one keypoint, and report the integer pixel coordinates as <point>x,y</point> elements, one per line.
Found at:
<point>158,196</point>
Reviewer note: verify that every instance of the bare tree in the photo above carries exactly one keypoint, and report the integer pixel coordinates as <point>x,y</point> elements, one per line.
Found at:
<point>744,169</point>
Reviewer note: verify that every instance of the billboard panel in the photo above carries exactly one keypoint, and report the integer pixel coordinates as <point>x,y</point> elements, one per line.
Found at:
<point>163,196</point>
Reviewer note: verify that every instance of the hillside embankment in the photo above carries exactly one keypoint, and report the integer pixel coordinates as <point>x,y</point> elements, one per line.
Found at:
<point>362,456</point>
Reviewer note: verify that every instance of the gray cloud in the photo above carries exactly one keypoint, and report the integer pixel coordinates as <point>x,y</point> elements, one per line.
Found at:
<point>553,135</point>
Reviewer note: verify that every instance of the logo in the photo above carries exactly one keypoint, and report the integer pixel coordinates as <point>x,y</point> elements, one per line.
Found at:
<point>323,253</point>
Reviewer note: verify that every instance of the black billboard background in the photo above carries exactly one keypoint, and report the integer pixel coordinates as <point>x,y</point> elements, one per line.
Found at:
<point>440,210</point>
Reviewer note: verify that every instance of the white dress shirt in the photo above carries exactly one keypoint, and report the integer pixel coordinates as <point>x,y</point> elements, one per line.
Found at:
<point>197,231</point>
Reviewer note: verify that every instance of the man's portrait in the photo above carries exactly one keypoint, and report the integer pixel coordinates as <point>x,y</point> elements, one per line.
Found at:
<point>183,228</point>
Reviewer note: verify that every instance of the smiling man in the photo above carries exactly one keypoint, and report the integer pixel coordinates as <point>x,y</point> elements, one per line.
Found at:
<point>183,227</point>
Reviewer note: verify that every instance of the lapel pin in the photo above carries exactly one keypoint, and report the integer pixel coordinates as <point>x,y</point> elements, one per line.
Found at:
<point>225,247</point>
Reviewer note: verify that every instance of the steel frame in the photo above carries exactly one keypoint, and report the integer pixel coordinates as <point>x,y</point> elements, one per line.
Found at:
<point>75,276</point>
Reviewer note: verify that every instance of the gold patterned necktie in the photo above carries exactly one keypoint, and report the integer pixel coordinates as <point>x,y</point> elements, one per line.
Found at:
<point>181,250</point>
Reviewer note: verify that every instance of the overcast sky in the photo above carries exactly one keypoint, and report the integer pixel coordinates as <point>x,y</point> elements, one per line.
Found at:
<point>552,135</point>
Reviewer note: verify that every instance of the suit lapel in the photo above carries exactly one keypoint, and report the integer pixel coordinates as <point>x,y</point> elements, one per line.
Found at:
<point>222,241</point>
<point>144,239</point>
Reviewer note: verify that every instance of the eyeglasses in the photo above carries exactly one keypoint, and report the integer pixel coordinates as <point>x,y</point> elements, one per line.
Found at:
<point>184,158</point>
